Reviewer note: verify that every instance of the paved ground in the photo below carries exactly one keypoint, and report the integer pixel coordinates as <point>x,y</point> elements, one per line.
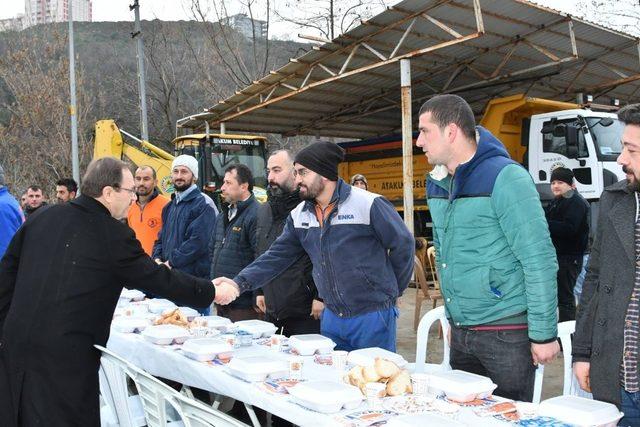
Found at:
<point>406,345</point>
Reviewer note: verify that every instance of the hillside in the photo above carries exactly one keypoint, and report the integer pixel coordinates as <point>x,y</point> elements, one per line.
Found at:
<point>189,66</point>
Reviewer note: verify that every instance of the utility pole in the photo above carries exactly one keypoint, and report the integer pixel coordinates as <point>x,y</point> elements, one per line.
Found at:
<point>407,142</point>
<point>331,18</point>
<point>137,34</point>
<point>75,167</point>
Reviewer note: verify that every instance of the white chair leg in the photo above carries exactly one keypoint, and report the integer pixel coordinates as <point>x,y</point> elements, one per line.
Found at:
<point>186,390</point>
<point>537,387</point>
<point>252,415</point>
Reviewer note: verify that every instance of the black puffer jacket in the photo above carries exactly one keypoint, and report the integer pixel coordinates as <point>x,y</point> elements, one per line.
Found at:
<point>233,244</point>
<point>291,293</point>
<point>568,218</point>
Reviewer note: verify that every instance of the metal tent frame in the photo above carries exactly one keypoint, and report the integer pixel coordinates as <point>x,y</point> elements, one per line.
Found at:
<point>348,87</point>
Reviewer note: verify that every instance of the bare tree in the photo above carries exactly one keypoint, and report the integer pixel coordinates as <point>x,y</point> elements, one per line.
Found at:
<point>328,16</point>
<point>229,46</point>
<point>622,15</point>
<point>36,143</point>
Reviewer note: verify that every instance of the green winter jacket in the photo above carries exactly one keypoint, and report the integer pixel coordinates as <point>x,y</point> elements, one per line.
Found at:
<point>495,258</point>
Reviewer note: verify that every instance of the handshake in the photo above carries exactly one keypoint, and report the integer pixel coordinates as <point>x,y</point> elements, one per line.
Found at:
<point>226,290</point>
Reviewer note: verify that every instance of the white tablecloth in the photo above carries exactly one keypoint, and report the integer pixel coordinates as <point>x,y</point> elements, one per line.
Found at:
<point>171,364</point>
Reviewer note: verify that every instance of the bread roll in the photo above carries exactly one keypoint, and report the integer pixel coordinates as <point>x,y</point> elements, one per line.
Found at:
<point>399,384</point>
<point>370,374</point>
<point>385,368</point>
<point>355,376</point>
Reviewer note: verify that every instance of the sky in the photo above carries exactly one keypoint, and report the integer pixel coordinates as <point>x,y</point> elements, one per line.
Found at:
<point>175,10</point>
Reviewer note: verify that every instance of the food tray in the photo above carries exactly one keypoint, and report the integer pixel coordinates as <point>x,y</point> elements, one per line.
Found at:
<point>326,396</point>
<point>367,357</point>
<point>165,334</point>
<point>189,313</point>
<point>132,294</point>
<point>129,324</point>
<point>461,386</point>
<point>580,411</point>
<point>308,344</point>
<point>257,368</point>
<point>159,305</point>
<point>204,349</point>
<point>257,328</point>
<point>424,419</point>
<point>216,322</point>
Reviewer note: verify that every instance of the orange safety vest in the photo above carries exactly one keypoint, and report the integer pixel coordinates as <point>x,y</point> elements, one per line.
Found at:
<point>147,222</point>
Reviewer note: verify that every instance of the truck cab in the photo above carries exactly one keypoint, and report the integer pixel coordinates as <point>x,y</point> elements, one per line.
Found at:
<point>587,142</point>
<point>215,152</point>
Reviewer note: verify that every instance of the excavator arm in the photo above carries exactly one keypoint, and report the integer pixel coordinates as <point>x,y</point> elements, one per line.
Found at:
<point>109,142</point>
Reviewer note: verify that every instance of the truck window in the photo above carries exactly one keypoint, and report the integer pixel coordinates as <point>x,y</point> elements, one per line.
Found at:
<point>607,135</point>
<point>251,156</point>
<point>558,144</point>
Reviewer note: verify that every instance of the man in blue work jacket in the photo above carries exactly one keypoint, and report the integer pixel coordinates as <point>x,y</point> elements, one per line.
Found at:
<point>361,251</point>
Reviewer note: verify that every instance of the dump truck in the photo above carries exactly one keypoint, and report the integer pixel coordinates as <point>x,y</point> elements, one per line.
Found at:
<point>214,151</point>
<point>540,134</point>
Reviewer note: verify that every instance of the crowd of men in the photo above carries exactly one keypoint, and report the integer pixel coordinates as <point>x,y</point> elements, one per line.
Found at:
<point>323,255</point>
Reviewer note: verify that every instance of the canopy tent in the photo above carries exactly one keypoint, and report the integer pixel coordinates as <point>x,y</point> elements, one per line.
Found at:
<point>348,87</point>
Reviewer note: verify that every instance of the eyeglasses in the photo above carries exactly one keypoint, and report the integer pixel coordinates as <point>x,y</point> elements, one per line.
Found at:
<point>302,172</point>
<point>130,190</point>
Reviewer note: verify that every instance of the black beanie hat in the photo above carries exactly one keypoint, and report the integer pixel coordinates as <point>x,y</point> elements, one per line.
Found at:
<point>562,174</point>
<point>322,157</point>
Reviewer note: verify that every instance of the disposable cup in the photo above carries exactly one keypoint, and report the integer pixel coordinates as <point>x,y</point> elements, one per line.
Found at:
<point>339,359</point>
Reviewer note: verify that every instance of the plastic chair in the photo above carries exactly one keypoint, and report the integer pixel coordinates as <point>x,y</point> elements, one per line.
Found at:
<point>197,414</point>
<point>432,316</point>
<point>421,250</point>
<point>156,397</point>
<point>570,387</point>
<point>108,416</point>
<point>113,375</point>
<point>537,385</point>
<point>422,286</point>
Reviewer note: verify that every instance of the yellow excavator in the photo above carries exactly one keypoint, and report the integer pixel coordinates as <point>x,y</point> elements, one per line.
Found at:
<point>214,151</point>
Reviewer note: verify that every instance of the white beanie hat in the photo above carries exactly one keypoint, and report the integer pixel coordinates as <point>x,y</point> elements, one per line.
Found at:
<point>186,161</point>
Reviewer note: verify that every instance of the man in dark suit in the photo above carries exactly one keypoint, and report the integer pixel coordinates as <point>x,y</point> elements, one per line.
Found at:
<point>60,280</point>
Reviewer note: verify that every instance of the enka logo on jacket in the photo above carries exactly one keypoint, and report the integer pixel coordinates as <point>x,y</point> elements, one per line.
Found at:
<point>350,217</point>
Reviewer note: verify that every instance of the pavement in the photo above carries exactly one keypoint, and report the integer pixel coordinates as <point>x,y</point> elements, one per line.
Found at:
<point>406,344</point>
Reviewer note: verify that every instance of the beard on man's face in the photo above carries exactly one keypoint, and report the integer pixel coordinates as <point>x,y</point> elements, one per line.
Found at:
<point>310,192</point>
<point>276,189</point>
<point>144,191</point>
<point>632,182</point>
<point>182,185</point>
